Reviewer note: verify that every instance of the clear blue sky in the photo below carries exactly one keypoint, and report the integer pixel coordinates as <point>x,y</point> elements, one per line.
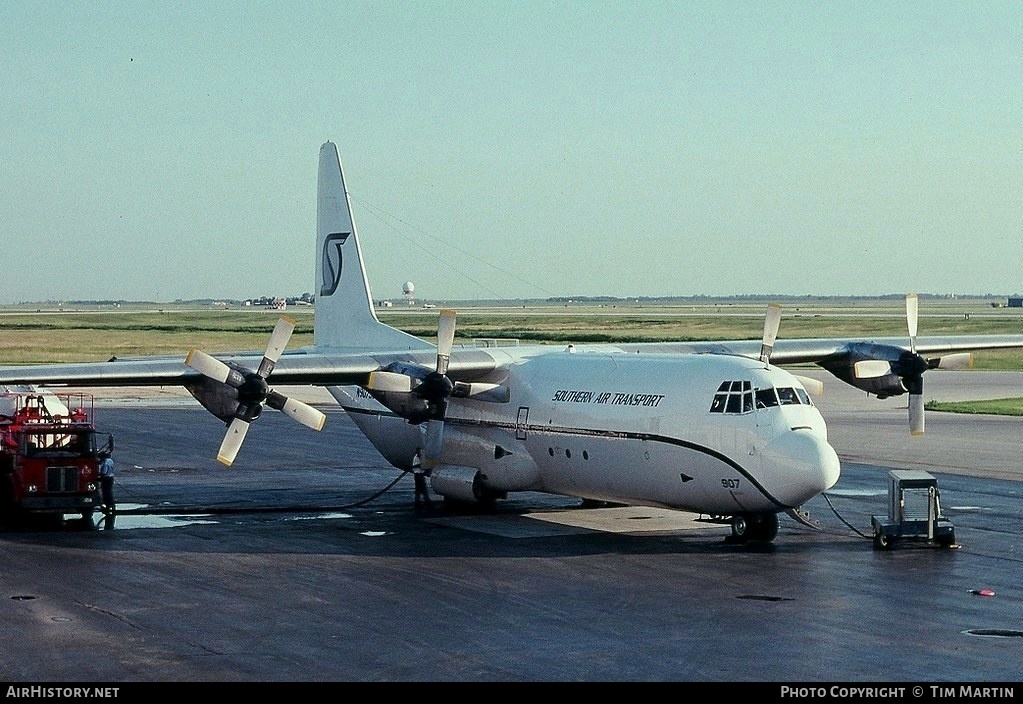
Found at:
<point>156,150</point>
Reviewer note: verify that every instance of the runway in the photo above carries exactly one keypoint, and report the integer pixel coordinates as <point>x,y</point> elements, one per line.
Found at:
<point>300,564</point>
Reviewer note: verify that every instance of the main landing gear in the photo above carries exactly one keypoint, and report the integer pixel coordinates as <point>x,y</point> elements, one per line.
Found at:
<point>754,527</point>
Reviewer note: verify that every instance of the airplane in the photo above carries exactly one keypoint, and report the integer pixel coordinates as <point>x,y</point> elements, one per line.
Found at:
<point>712,428</point>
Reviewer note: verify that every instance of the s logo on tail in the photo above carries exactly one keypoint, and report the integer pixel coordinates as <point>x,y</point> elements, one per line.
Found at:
<point>332,262</point>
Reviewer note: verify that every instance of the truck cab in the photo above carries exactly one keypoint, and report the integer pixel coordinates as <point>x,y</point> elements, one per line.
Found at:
<point>49,455</point>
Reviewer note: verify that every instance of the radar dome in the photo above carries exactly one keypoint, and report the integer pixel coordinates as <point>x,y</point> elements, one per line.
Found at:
<point>408,288</point>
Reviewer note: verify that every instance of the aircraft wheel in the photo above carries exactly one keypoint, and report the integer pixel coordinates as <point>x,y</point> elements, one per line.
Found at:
<point>741,527</point>
<point>757,527</point>
<point>768,527</point>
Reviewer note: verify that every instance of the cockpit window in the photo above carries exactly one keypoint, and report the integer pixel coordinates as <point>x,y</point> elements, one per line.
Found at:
<point>733,397</point>
<point>766,398</point>
<point>784,396</point>
<point>790,396</point>
<point>787,396</point>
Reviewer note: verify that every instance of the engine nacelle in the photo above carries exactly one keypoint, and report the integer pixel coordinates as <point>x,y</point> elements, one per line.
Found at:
<point>896,361</point>
<point>406,404</point>
<point>457,482</point>
<point>216,397</point>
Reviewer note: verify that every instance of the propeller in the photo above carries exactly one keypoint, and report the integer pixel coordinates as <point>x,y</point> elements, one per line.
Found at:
<point>252,390</point>
<point>420,394</point>
<point>909,366</point>
<point>436,388</point>
<point>913,369</point>
<point>772,321</point>
<point>814,387</point>
<point>960,360</point>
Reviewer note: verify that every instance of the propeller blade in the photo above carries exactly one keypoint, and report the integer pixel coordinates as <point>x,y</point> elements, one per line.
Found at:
<point>960,360</point>
<point>812,386</point>
<point>871,368</point>
<point>771,323</point>
<point>912,318</point>
<point>916,414</point>
<point>389,381</point>
<point>209,366</point>
<point>434,443</point>
<point>232,441</point>
<point>275,347</point>
<point>279,338</point>
<point>445,339</point>
<point>477,391</point>
<point>304,414</point>
<point>252,392</point>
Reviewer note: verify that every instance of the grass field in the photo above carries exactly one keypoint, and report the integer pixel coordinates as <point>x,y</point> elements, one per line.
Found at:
<point>996,406</point>
<point>40,335</point>
<point>36,335</point>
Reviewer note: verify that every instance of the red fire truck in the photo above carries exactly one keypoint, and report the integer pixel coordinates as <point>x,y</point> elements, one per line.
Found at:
<point>49,454</point>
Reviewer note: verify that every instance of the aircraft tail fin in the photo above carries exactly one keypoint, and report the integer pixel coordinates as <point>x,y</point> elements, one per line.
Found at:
<point>344,315</point>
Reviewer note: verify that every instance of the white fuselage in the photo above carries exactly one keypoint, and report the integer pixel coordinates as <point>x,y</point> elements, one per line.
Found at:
<point>707,433</point>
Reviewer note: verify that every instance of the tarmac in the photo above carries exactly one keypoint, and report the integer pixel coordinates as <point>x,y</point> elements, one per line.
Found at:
<point>308,562</point>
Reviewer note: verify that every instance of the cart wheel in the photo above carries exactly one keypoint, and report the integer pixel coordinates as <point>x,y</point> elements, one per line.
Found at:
<point>882,541</point>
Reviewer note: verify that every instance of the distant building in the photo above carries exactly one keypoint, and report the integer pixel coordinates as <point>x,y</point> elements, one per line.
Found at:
<point>1016,302</point>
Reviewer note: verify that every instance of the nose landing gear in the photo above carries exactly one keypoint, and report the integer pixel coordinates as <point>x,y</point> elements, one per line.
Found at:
<point>754,527</point>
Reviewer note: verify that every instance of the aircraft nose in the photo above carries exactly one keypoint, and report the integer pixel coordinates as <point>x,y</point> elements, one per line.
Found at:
<point>799,465</point>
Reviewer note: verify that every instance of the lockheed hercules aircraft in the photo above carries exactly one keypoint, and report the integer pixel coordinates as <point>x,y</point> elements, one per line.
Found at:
<point>714,428</point>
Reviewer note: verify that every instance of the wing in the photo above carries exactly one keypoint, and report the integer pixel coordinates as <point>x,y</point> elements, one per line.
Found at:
<point>416,384</point>
<point>818,350</point>
<point>291,368</point>
<point>883,366</point>
<point>235,388</point>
